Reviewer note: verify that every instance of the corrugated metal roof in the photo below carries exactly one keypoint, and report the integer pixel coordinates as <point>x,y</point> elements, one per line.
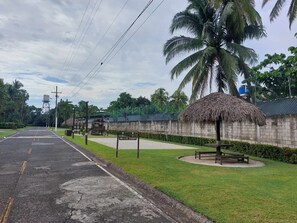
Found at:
<point>286,106</point>
<point>154,117</point>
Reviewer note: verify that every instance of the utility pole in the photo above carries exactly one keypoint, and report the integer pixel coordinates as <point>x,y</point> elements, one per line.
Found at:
<point>87,120</point>
<point>73,123</point>
<point>56,115</point>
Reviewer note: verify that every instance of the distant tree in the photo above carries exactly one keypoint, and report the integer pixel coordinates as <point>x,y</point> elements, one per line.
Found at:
<point>292,12</point>
<point>3,99</point>
<point>94,110</point>
<point>160,99</point>
<point>276,76</point>
<point>125,100</point>
<point>178,101</point>
<point>81,108</point>
<point>123,103</point>
<point>13,102</point>
<point>142,101</point>
<point>65,111</point>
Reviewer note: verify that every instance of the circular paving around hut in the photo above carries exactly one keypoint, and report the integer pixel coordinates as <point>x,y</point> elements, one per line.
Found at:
<point>227,163</point>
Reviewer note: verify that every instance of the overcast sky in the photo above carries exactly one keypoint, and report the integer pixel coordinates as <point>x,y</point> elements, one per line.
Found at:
<point>37,47</point>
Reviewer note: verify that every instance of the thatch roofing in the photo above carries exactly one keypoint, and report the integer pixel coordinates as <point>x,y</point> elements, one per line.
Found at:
<point>229,108</point>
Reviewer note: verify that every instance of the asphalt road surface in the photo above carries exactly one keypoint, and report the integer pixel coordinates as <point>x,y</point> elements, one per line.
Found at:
<point>44,179</point>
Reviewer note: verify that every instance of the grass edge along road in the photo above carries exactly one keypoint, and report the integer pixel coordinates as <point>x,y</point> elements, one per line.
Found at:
<point>263,194</point>
<point>6,132</point>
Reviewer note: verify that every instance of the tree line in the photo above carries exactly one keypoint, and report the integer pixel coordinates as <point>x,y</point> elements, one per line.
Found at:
<point>160,102</point>
<point>13,106</point>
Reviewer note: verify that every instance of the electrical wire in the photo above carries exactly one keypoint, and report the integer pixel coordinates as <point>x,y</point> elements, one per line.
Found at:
<point>98,70</point>
<point>84,31</point>
<point>106,31</point>
<point>110,51</point>
<point>136,31</point>
<point>73,42</point>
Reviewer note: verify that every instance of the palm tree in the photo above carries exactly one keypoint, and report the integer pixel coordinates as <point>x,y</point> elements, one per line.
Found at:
<point>179,100</point>
<point>292,12</point>
<point>160,99</point>
<point>215,44</point>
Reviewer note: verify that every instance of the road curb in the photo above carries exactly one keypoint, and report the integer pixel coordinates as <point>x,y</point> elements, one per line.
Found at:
<point>173,208</point>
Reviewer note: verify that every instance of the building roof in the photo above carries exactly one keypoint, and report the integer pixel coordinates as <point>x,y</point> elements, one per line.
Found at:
<point>144,118</point>
<point>286,106</point>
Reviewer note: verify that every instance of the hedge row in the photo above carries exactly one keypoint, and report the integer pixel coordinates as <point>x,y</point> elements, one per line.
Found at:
<point>10,125</point>
<point>283,154</point>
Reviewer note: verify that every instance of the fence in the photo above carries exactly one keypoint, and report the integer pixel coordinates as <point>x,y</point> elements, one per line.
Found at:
<point>279,130</point>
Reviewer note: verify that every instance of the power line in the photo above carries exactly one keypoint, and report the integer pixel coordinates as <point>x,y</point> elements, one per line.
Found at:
<point>136,31</point>
<point>100,67</point>
<point>85,30</point>
<point>73,42</point>
<point>110,51</point>
<point>106,31</point>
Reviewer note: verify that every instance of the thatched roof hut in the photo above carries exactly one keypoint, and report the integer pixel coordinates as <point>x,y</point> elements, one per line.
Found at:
<point>219,106</point>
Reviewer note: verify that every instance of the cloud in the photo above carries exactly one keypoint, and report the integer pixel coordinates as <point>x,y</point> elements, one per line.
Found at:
<point>54,79</point>
<point>144,84</point>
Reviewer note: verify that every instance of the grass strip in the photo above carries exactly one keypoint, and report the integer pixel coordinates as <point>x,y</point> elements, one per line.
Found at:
<point>263,194</point>
<point>6,132</point>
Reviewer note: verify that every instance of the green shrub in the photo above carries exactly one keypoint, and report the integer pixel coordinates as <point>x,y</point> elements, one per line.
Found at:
<point>11,125</point>
<point>284,154</point>
<point>293,159</point>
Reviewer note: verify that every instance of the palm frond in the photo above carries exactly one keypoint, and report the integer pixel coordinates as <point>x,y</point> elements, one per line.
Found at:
<point>264,2</point>
<point>276,9</point>
<point>196,85</point>
<point>188,77</point>
<point>244,68</point>
<point>254,32</point>
<point>186,63</point>
<point>247,54</point>
<point>188,21</point>
<point>229,64</point>
<point>292,13</point>
<point>179,44</point>
<point>250,14</point>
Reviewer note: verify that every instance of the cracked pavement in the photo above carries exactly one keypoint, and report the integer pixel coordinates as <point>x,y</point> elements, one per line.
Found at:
<point>43,179</point>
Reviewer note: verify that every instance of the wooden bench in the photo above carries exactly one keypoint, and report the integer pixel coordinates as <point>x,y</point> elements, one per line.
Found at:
<point>205,154</point>
<point>241,158</point>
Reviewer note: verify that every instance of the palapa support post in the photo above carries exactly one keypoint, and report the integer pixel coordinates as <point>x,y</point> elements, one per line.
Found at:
<point>117,148</point>
<point>218,133</point>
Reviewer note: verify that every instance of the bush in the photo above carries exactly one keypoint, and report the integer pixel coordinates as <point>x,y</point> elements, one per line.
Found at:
<point>10,125</point>
<point>284,154</point>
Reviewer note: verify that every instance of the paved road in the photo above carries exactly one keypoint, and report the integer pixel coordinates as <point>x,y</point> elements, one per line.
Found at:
<point>43,179</point>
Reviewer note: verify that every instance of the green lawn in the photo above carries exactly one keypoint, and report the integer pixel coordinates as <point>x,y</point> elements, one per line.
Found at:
<point>263,194</point>
<point>6,132</point>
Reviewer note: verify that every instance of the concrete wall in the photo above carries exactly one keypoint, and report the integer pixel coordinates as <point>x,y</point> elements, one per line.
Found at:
<point>280,131</point>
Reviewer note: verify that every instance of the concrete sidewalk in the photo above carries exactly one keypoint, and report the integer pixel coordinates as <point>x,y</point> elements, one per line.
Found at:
<point>143,144</point>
